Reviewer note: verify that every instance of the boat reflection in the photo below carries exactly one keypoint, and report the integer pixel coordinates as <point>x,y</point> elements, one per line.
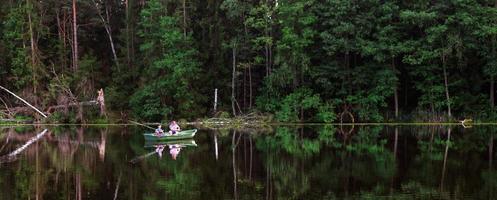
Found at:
<point>174,147</point>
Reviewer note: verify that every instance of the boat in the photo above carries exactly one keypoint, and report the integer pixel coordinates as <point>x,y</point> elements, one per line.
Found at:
<point>180,143</point>
<point>178,136</point>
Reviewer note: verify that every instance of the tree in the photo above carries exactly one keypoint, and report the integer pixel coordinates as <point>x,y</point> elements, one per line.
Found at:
<point>170,69</point>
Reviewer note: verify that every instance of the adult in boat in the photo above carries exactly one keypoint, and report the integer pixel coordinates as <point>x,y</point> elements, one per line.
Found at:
<point>174,128</point>
<point>174,150</point>
<point>159,150</point>
<point>159,131</point>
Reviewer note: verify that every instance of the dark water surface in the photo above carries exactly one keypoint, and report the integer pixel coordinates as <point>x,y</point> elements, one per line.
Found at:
<point>315,162</point>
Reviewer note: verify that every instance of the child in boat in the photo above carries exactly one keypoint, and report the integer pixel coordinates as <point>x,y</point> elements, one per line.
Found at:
<point>174,128</point>
<point>159,131</point>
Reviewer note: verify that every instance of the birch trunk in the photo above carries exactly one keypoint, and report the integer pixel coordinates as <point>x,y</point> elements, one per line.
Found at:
<point>396,94</point>
<point>233,81</point>
<point>33,52</point>
<point>446,87</point>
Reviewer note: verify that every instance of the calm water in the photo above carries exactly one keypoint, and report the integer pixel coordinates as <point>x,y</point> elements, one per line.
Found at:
<point>318,162</point>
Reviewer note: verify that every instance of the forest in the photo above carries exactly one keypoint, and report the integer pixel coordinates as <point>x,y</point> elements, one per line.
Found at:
<point>293,60</point>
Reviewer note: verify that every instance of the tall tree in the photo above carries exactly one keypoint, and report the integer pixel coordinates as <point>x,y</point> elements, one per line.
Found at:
<point>75,37</point>
<point>171,67</point>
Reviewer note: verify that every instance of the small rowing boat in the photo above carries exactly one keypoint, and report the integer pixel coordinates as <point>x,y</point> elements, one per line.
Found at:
<point>180,143</point>
<point>178,136</point>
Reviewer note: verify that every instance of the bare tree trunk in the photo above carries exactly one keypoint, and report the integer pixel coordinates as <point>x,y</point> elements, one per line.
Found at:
<point>396,94</point>
<point>184,18</point>
<point>33,53</point>
<point>75,37</point>
<point>233,81</point>
<point>244,88</point>
<point>108,30</point>
<point>250,87</point>
<point>267,59</point>
<point>61,33</point>
<point>215,101</point>
<point>64,39</point>
<point>447,91</point>
<point>127,34</point>
<point>446,87</point>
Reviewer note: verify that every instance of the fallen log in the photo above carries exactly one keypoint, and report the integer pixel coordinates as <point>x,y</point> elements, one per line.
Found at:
<point>51,109</point>
<point>84,103</point>
<point>31,106</point>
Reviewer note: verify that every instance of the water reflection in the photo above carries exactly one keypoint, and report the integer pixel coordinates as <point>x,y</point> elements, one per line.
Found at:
<point>323,162</point>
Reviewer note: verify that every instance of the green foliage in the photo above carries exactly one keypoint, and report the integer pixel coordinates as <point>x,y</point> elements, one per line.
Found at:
<point>295,57</point>
<point>14,36</point>
<point>170,69</point>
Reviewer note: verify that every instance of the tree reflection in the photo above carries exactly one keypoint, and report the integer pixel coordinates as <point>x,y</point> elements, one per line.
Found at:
<point>291,163</point>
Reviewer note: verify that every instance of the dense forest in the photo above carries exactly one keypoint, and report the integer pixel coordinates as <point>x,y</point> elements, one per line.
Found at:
<point>297,60</point>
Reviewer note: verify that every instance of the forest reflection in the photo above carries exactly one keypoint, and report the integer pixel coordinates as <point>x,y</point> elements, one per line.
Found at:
<point>292,162</point>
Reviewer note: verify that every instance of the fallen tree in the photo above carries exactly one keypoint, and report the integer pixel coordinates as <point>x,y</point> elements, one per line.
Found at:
<point>50,109</point>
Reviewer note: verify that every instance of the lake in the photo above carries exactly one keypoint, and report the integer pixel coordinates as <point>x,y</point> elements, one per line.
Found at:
<point>280,162</point>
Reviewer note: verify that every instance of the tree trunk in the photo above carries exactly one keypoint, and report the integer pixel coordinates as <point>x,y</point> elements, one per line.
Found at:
<point>266,48</point>
<point>446,87</point>
<point>184,18</point>
<point>75,37</point>
<point>492,86</point>
<point>244,89</point>
<point>108,30</point>
<point>250,87</point>
<point>128,62</point>
<point>233,81</point>
<point>215,101</point>
<point>33,53</point>
<point>61,33</point>
<point>64,39</point>
<point>396,94</point>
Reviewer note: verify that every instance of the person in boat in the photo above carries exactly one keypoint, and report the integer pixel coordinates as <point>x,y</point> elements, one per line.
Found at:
<point>174,150</point>
<point>174,128</point>
<point>159,131</point>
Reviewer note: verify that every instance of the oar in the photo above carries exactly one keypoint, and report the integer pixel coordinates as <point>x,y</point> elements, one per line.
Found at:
<point>139,158</point>
<point>141,124</point>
